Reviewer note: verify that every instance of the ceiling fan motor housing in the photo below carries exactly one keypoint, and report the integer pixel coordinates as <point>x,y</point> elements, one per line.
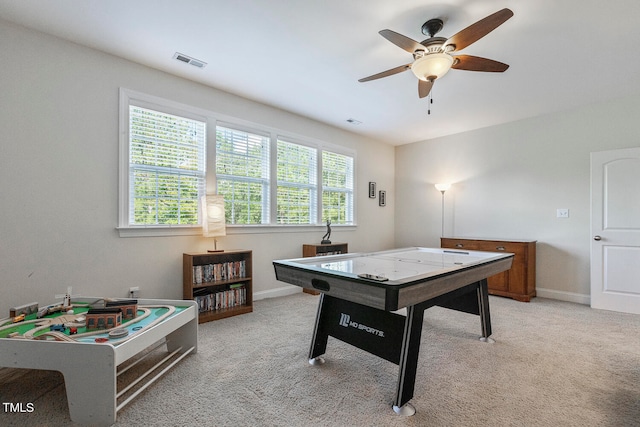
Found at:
<point>431,45</point>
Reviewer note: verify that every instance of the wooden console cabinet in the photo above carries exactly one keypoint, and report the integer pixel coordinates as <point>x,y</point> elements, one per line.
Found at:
<point>322,250</point>
<point>519,282</point>
<point>219,282</point>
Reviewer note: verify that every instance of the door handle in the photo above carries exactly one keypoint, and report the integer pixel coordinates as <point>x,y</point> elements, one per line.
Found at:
<point>597,238</point>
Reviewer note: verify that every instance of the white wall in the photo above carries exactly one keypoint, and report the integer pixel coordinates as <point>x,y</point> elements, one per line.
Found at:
<point>508,182</point>
<point>59,177</point>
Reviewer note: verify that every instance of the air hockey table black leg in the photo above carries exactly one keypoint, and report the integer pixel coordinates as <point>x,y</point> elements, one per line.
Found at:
<point>485,316</point>
<point>408,365</point>
<point>320,335</point>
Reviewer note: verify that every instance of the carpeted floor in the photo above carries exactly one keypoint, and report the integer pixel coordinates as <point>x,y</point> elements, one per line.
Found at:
<point>553,364</point>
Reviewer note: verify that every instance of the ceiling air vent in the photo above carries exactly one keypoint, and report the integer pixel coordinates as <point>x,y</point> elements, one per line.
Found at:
<point>189,60</point>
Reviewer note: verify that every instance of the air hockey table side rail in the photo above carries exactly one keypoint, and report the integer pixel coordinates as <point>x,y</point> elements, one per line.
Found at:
<point>389,295</point>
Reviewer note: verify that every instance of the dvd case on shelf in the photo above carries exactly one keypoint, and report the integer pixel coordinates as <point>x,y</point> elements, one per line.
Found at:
<point>216,272</point>
<point>234,296</point>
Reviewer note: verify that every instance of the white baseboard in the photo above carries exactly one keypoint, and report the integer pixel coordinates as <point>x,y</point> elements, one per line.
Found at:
<point>564,296</point>
<point>279,292</point>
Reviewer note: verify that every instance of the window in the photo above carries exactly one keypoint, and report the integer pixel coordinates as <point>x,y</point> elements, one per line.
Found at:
<point>163,164</point>
<point>297,188</point>
<point>242,172</point>
<point>166,167</point>
<point>170,157</point>
<point>337,188</point>
<point>297,184</point>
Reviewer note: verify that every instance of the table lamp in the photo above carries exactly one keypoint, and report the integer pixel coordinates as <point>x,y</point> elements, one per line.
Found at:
<point>213,219</point>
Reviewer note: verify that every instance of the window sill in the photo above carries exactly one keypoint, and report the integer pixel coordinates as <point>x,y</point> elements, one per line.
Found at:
<point>151,231</point>
<point>267,229</point>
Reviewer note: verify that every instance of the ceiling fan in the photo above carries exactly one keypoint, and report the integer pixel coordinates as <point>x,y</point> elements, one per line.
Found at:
<point>433,58</point>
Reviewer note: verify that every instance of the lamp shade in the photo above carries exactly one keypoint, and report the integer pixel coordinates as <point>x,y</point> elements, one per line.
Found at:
<point>213,217</point>
<point>442,187</point>
<point>434,65</point>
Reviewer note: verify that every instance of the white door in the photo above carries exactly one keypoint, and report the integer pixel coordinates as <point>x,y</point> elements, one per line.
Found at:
<point>615,230</point>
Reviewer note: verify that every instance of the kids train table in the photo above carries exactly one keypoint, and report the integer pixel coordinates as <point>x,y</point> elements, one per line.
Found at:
<point>90,361</point>
<point>361,293</point>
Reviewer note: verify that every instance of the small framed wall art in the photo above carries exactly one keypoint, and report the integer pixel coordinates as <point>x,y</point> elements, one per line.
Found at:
<point>372,190</point>
<point>382,201</point>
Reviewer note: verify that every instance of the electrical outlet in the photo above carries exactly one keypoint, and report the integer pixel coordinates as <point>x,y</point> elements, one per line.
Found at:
<point>134,292</point>
<point>562,213</point>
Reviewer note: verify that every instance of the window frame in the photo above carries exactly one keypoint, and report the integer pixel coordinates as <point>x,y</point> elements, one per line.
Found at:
<point>320,147</point>
<point>265,210</point>
<point>322,188</point>
<point>313,214</point>
<point>127,98</point>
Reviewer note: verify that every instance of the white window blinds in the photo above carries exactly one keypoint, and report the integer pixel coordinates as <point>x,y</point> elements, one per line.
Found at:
<point>166,168</point>
<point>297,177</point>
<point>337,188</point>
<point>242,174</point>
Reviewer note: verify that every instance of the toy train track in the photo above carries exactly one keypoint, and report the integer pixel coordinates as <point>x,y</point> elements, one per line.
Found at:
<point>114,335</point>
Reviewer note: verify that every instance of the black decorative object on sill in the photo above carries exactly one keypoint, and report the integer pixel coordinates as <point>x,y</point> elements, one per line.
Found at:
<point>325,238</point>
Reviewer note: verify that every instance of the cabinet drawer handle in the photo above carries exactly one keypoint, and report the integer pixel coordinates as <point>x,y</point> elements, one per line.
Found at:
<point>459,245</point>
<point>500,248</point>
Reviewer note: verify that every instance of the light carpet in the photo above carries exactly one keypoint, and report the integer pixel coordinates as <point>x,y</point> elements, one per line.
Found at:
<point>553,364</point>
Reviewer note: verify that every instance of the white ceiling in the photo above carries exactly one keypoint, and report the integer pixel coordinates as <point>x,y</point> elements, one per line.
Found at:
<point>306,56</point>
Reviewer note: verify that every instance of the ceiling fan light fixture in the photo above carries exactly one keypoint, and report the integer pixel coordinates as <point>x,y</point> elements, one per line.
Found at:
<point>432,65</point>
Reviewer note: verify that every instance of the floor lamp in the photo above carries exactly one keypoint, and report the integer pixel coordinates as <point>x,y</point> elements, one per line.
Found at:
<point>442,188</point>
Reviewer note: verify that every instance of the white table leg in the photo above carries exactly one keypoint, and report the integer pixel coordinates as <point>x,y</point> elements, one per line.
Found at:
<point>88,369</point>
<point>90,380</point>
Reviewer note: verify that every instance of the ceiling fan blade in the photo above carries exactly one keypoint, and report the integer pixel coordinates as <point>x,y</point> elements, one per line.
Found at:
<point>475,32</point>
<point>424,87</point>
<point>386,73</point>
<point>475,63</point>
<point>401,41</point>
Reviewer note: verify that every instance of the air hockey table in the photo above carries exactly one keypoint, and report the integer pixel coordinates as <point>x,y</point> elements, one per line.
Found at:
<point>362,292</point>
<point>91,361</point>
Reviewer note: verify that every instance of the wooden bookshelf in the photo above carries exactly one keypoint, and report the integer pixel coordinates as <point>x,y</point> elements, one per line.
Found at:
<point>220,282</point>
<point>322,250</point>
